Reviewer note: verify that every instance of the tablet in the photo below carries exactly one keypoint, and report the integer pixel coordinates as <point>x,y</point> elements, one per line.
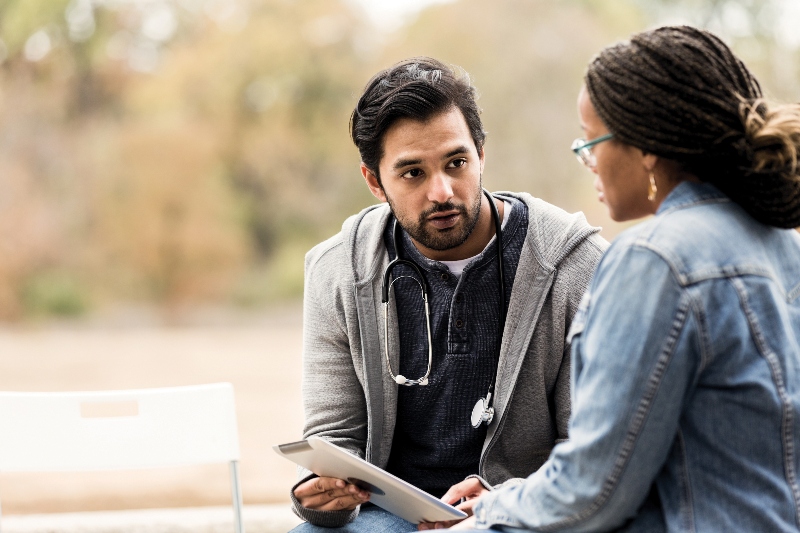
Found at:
<point>386,491</point>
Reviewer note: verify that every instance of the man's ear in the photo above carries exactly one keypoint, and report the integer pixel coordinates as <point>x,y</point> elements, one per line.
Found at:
<point>482,155</point>
<point>373,183</point>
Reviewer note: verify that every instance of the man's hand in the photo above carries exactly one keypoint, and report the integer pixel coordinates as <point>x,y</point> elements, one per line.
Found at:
<point>330,494</point>
<point>470,490</point>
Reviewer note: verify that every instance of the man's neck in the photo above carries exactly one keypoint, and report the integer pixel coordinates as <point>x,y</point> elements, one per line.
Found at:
<point>481,235</point>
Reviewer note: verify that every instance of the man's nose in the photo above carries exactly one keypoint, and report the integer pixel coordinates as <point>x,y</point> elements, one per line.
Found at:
<point>440,189</point>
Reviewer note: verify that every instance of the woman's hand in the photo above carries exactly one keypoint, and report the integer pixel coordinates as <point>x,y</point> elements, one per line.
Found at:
<point>470,490</point>
<point>467,523</point>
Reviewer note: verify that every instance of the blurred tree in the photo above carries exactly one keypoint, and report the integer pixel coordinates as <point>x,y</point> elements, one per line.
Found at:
<point>183,152</point>
<point>168,144</point>
<point>763,32</point>
<point>526,58</point>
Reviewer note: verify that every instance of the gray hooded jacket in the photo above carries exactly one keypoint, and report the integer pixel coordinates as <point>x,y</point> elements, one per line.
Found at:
<point>349,397</point>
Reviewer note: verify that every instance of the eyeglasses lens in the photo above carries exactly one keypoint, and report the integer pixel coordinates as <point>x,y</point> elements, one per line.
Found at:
<point>583,153</point>
<point>587,157</point>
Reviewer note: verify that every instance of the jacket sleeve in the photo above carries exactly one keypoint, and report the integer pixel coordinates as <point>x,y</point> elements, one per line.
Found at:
<point>320,518</point>
<point>333,398</point>
<point>634,363</point>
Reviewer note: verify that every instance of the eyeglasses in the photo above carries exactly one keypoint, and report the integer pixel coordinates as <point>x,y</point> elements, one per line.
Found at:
<point>583,149</point>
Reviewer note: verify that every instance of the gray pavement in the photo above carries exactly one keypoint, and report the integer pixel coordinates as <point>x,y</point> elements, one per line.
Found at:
<point>257,519</point>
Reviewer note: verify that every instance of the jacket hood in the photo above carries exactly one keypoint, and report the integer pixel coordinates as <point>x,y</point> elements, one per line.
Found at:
<point>552,233</point>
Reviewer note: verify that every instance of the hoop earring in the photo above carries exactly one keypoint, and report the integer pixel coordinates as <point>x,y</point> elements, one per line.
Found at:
<point>653,190</point>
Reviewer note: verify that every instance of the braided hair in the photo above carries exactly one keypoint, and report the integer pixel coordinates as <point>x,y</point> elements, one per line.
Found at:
<point>680,93</point>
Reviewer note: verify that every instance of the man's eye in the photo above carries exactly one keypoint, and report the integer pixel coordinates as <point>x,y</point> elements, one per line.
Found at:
<point>413,173</point>
<point>458,163</point>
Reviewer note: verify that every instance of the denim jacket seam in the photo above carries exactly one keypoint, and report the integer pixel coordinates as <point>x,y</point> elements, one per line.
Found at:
<point>793,293</point>
<point>687,277</point>
<point>787,424</point>
<point>702,332</point>
<point>639,419</point>
<point>686,495</point>
<point>732,271</point>
<point>673,262</point>
<point>707,199</point>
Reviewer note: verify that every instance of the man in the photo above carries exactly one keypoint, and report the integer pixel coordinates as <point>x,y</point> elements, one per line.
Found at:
<point>381,391</point>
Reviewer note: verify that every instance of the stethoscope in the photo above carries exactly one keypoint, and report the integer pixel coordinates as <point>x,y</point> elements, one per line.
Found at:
<point>483,412</point>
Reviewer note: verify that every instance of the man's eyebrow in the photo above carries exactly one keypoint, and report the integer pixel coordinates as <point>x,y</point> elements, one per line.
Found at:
<point>459,150</point>
<point>400,163</point>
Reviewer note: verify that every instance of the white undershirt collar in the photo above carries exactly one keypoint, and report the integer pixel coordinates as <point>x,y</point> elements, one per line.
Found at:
<point>457,267</point>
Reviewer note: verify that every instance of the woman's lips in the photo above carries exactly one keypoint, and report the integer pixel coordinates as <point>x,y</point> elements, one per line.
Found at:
<point>444,221</point>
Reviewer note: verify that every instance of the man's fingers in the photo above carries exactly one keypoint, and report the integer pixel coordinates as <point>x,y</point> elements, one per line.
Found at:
<point>327,484</point>
<point>471,487</point>
<point>467,506</point>
<point>456,492</point>
<point>326,493</point>
<point>451,496</point>
<point>343,503</point>
<point>318,485</point>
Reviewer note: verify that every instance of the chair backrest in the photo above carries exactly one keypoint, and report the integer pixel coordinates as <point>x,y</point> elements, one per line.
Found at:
<point>124,429</point>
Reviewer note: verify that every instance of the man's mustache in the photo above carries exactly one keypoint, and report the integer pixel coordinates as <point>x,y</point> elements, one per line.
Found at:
<point>441,208</point>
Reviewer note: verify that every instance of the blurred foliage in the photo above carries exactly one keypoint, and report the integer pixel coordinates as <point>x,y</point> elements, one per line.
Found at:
<point>53,294</point>
<point>188,152</point>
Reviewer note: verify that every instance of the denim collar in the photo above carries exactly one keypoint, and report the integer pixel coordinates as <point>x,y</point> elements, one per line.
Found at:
<point>689,193</point>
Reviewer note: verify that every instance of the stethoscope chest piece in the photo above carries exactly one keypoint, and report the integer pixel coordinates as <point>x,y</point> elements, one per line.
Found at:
<point>482,413</point>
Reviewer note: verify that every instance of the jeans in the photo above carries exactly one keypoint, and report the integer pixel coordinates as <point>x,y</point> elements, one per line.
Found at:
<point>371,519</point>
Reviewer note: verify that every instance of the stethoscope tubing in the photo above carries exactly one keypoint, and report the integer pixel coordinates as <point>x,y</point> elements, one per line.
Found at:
<point>498,228</point>
<point>422,282</point>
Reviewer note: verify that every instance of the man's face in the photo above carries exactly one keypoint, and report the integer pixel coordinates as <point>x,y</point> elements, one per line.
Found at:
<point>431,176</point>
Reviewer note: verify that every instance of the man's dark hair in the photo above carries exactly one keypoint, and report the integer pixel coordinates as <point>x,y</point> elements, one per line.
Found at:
<point>680,93</point>
<point>417,88</point>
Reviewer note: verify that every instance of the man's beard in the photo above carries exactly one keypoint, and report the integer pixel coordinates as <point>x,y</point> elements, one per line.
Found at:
<point>447,239</point>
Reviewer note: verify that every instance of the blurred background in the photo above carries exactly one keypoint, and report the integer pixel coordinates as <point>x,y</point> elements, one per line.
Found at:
<point>165,165</point>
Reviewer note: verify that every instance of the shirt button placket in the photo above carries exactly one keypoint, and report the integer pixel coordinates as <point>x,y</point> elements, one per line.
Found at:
<point>459,314</point>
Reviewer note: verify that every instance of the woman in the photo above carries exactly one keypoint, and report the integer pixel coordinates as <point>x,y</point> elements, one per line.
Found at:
<point>686,349</point>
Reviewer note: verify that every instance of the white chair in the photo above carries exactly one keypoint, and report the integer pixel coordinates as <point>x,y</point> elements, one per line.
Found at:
<point>124,429</point>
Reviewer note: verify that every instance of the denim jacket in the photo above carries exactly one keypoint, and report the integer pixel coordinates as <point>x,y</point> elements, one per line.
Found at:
<point>685,385</point>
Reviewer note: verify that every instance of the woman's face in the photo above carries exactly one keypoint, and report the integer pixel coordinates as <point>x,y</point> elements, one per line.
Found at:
<point>622,180</point>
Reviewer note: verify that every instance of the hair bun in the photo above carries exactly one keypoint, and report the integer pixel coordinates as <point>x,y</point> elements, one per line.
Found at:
<point>773,133</point>
<point>772,182</point>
